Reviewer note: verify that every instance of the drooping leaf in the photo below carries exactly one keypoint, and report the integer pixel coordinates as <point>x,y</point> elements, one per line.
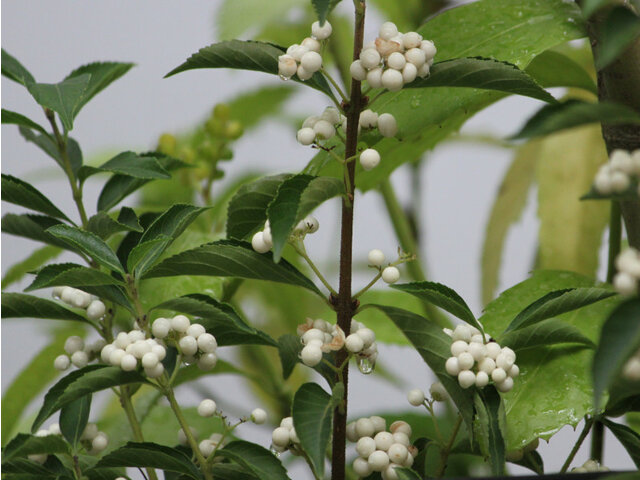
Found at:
<point>152,455</point>
<point>33,227</point>
<point>20,305</point>
<point>245,55</point>
<point>546,332</point>
<point>49,146</point>
<point>629,439</point>
<point>129,164</point>
<point>230,258</point>
<point>619,29</point>
<point>620,337</point>
<point>483,73</point>
<point>443,297</point>
<point>34,261</point>
<point>296,198</point>
<point>73,419</point>
<point>323,8</point>
<point>254,458</point>
<point>79,383</point>
<point>573,113</point>
<point>90,244</point>
<point>64,98</point>
<point>490,421</point>
<point>13,69</point>
<point>9,117</point>
<point>24,444</point>
<point>553,69</point>
<point>248,208</point>
<point>19,192</point>
<point>312,413</point>
<point>288,349</point>
<point>104,226</point>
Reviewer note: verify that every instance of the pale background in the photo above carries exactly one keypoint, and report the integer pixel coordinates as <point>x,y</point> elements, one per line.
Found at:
<point>52,37</point>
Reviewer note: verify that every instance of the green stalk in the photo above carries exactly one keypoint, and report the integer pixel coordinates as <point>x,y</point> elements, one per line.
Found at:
<point>125,401</point>
<point>615,239</point>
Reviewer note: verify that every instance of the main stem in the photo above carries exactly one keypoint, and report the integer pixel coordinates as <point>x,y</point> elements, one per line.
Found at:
<point>344,304</point>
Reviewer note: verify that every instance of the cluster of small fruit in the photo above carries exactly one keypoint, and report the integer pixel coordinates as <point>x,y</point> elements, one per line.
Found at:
<point>305,59</point>
<point>132,347</point>
<point>416,397</point>
<point>78,353</point>
<point>285,438</point>
<point>617,175</point>
<point>590,466</point>
<point>77,298</point>
<point>206,446</point>
<point>93,440</point>
<point>262,241</point>
<point>321,127</point>
<point>626,279</point>
<point>477,359</point>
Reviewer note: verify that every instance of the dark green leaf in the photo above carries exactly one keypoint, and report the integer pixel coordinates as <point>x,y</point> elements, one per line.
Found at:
<point>547,332</point>
<point>553,69</point>
<point>90,244</point>
<point>296,198</point>
<point>556,303</point>
<point>102,75</point>
<point>129,164</point>
<point>33,227</point>
<point>24,444</point>
<point>9,117</point>
<point>490,422</point>
<point>312,413</point>
<point>619,29</point>
<point>248,208</point>
<point>629,439</point>
<point>64,98</point>
<point>70,274</point>
<point>30,470</point>
<point>20,305</point>
<point>13,69</point>
<point>104,226</point>
<point>572,113</point>
<point>245,55</point>
<point>254,458</point>
<point>49,146</point>
<point>289,347</point>
<point>624,397</point>
<point>483,73</point>
<point>231,471</point>
<point>230,258</point>
<point>147,454</point>
<point>323,8</point>
<point>443,297</point>
<point>73,419</point>
<point>589,7</point>
<point>21,193</point>
<point>219,319</point>
<point>434,346</point>
<point>144,249</point>
<point>620,337</point>
<point>79,383</point>
<point>34,261</point>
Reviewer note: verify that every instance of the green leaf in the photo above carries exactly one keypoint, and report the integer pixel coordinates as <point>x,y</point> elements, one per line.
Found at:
<point>532,411</point>
<point>589,7</point>
<point>546,332</point>
<point>104,226</point>
<point>288,349</point>
<point>90,244</point>
<point>230,258</point>
<point>13,69</point>
<point>490,423</point>
<point>619,29</point>
<point>434,346</point>
<point>34,261</point>
<point>102,75</point>
<point>406,474</point>
<point>323,8</point>
<point>129,164</point>
<point>254,458</point>
<point>248,208</point>
<point>144,249</point>
<point>49,146</point>
<point>253,107</point>
<point>19,192</point>
<point>620,337</point>
<point>483,73</point>
<point>296,198</point>
<point>33,227</point>
<point>73,419</point>
<point>9,117</point>
<point>79,383</point>
<point>573,113</point>
<point>235,17</point>
<point>219,319</point>
<point>20,305</point>
<point>245,55</point>
<point>556,303</point>
<point>312,413</point>
<point>553,69</point>
<point>443,297</point>
<point>72,275</point>
<point>64,98</point>
<point>24,444</point>
<point>629,439</point>
<point>147,454</point>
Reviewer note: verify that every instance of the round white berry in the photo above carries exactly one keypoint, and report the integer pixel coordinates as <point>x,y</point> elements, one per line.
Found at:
<point>379,423</point>
<point>387,125</point>
<point>207,343</point>
<point>100,442</point>
<point>297,51</point>
<point>509,354</point>
<point>311,61</point>
<point>160,327</point>
<point>466,378</point>
<point>54,429</point>
<point>188,345</point>
<point>207,361</point>
<point>388,30</point>
<point>361,467</point>
<point>312,334</point>
<point>324,130</point>
<point>376,257</point>
<point>514,371</point>
<point>374,77</point>
<point>438,392</point>
<point>90,431</point>
<point>378,460</point>
<point>67,295</point>
<point>390,275</point>
<point>498,375</point>
<point>150,360</point>
<point>620,181</point>
<point>312,44</point>
<point>503,362</point>
<point>61,362</point>
<point>458,347</point>
<point>429,49</point>
<point>398,453</point>
<point>424,70</point>
<point>452,366</point>
<point>80,359</point>
<point>115,358</point>
<point>392,80</point>
<point>487,365</point>
<point>354,343</point>
<point>401,438</point>
<point>415,397</point>
<point>358,72</point>
<point>180,323</point>
<point>478,351</point>
<point>96,310</point>
<point>370,58</point>
<point>369,159</point>
<point>331,115</point>
<point>411,40</point>
<point>621,160</point>
<point>207,408</point>
<point>195,330</point>
<point>73,344</point>
<point>303,73</point>
<point>493,350</point>
<point>400,426</point>
<point>396,61</point>
<point>309,122</point>
<point>258,416</point>
<point>368,119</point>
<point>206,447</point>
<point>352,435</point>
<point>416,57</point>
<point>258,243</point>
<point>321,32</point>
<point>365,446</point>
<point>409,73</point>
<point>287,66</point>
<point>57,292</point>
<point>128,362</point>
<point>368,336</point>
<point>482,379</point>
<point>506,385</point>
<point>311,355</point>
<point>159,352</point>
<point>305,136</point>
<point>364,427</point>
<point>81,299</point>
<point>280,437</point>
<point>461,332</point>
<point>602,182</point>
<point>625,283</point>
<point>383,441</point>
<point>154,372</point>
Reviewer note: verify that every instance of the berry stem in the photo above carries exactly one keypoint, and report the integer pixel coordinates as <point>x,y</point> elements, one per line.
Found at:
<point>429,405</point>
<point>125,401</point>
<point>444,453</point>
<point>585,431</point>
<point>335,85</point>
<point>302,251</point>
<point>615,238</point>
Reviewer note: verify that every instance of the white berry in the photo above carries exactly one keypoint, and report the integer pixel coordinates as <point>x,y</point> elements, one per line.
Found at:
<point>206,447</point>
<point>392,80</point>
<point>358,72</point>
<point>280,437</point>
<point>361,467</point>
<point>354,343</point>
<point>466,378</point>
<point>160,327</point>
<point>398,453</point>
<point>180,323</point>
<point>409,73</point>
<point>207,361</point>
<point>311,355</point>
<point>258,243</point>
<point>73,344</point>
<point>287,66</point>
<point>498,375</point>
<point>61,362</point>
<point>376,257</point>
<point>188,345</point>
<point>306,136</point>
<point>378,460</point>
<point>369,58</point>
<point>80,359</point>
<point>396,61</point>
<point>383,441</point>
<point>482,379</point>
<point>258,416</point>
<point>452,367</point>
<point>100,442</point>
<point>128,362</point>
<point>311,61</point>
<point>369,159</point>
<point>368,119</point>
<point>149,360</point>
<point>96,310</point>
<point>374,77</point>
<point>364,427</point>
<point>390,275</point>
<point>506,385</point>
<point>365,446</point>
<point>321,32</point>
<point>438,392</point>
<point>207,343</point>
<point>324,130</point>
<point>415,397</point>
<point>312,44</point>
<point>154,372</point>
<point>387,125</point>
<point>195,330</point>
<point>207,408</point>
<point>411,40</point>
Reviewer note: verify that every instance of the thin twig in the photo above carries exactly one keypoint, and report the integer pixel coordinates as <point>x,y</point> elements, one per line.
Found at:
<point>585,431</point>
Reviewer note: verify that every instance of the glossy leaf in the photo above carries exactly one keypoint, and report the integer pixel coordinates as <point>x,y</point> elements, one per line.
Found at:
<point>254,458</point>
<point>20,305</point>
<point>105,226</point>
<point>64,98</point>
<point>441,296</point>
<point>79,383</point>
<point>35,260</point>
<point>147,454</point>
<point>14,70</point>
<point>70,274</point>
<point>288,349</point>
<point>573,113</point>
<point>553,69</point>
<point>490,422</point>
<point>619,29</point>
<point>230,258</point>
<point>483,73</point>
<point>24,444</point>
<point>19,192</point>
<point>33,227</point>
<point>9,117</point>
<point>296,198</point>
<point>144,250</point>
<point>629,439</point>
<point>129,164</point>
<point>248,208</point>
<point>90,244</point>
<point>556,303</point>
<point>245,55</point>
<point>323,8</point>
<point>73,419</point>
<point>620,337</point>
<point>312,413</point>
<point>546,332</point>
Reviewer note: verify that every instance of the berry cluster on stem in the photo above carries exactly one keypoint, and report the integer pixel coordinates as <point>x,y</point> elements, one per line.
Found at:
<point>617,176</point>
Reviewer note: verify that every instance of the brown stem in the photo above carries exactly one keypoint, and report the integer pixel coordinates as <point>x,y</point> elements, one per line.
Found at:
<point>344,304</point>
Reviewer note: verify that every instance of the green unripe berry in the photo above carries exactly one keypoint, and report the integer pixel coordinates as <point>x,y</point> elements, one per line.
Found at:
<point>167,143</point>
<point>234,130</point>
<point>222,111</point>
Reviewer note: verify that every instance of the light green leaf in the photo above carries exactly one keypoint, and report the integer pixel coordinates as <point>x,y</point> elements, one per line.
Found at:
<point>296,198</point>
<point>73,419</point>
<point>34,261</point>
<point>235,17</point>
<point>90,244</point>
<point>13,69</point>
<point>490,422</point>
<point>253,107</point>
<point>65,98</point>
<point>629,439</point>
<point>24,444</point>
<point>20,305</point>
<point>589,7</point>
<point>312,413</point>
<point>553,69</point>
<point>9,117</point>
<point>254,458</point>
<point>547,332</point>
<point>19,192</point>
<point>129,164</point>
<point>619,29</point>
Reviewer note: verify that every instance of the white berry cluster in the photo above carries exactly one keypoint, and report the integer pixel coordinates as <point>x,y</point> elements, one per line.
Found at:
<point>323,127</point>
<point>631,369</point>
<point>304,59</point>
<point>385,123</point>
<point>475,362</point>
<point>206,446</point>
<point>617,175</point>
<point>590,466</point>
<point>394,59</point>
<point>78,353</point>
<point>285,438</point>
<point>262,241</point>
<point>79,299</point>
<point>628,266</point>
<point>390,274</point>
<point>132,347</point>
<point>93,440</point>
<point>380,450</point>
<point>191,339</point>
<point>416,397</point>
